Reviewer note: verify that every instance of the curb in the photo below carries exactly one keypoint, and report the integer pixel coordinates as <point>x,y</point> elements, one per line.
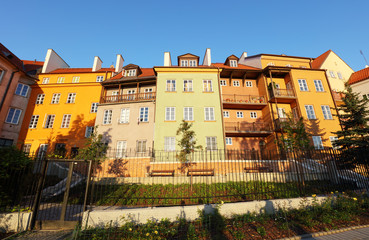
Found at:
<point>318,234</point>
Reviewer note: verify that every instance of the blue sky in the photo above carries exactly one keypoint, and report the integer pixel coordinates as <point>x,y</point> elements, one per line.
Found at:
<point>142,30</point>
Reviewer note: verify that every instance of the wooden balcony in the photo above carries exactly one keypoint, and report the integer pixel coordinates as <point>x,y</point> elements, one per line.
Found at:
<point>282,95</point>
<point>244,101</point>
<point>126,98</point>
<point>256,129</point>
<point>279,122</point>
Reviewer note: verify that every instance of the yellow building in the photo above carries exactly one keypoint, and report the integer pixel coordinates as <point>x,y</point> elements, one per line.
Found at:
<point>63,106</point>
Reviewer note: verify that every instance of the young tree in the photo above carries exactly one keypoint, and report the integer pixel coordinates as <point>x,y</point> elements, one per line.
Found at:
<point>295,135</point>
<point>353,140</point>
<point>95,149</point>
<point>187,143</point>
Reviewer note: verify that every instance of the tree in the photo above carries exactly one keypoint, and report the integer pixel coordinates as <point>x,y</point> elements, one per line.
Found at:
<point>353,140</point>
<point>95,149</point>
<point>296,137</point>
<point>187,143</point>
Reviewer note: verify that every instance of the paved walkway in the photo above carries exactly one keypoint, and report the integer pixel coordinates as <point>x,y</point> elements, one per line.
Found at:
<point>45,235</point>
<point>355,234</point>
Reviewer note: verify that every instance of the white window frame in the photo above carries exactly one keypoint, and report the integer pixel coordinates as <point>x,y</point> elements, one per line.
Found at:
<point>144,114</point>
<point>141,146</point>
<point>228,141</point>
<point>40,98</point>
<point>93,108</point>
<point>22,90</point>
<point>303,85</point>
<point>310,113</point>
<point>124,115</point>
<point>233,63</point>
<point>236,83</point>
<point>187,86</point>
<point>34,121</point>
<point>171,85</point>
<point>188,114</point>
<point>121,149</point>
<point>248,83</point>
<point>332,139</point>
<point>209,114</point>
<point>75,79</point>
<point>239,114</point>
<point>89,131</point>
<point>99,78</point>
<point>223,82</point>
<point>71,98</point>
<point>226,114</point>
<point>60,80</point>
<point>169,144</point>
<point>45,80</point>
<point>13,116</point>
<point>211,143</point>
<point>318,144</point>
<point>192,63</point>
<point>49,121</point>
<point>108,115</point>
<point>339,74</point>
<point>56,98</point>
<point>281,113</point>
<point>326,112</point>
<point>318,86</point>
<point>170,113</point>
<point>66,121</point>
<point>184,63</point>
<point>253,115</point>
<point>207,85</point>
<point>331,73</point>
<point>131,72</point>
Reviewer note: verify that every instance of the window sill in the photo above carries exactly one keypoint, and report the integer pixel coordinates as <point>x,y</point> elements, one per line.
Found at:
<point>170,121</point>
<point>170,91</point>
<point>208,92</point>
<point>189,120</point>
<point>209,121</point>
<point>187,92</point>
<point>123,123</point>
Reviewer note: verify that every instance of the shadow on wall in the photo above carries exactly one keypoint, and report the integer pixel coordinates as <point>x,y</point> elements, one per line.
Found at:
<point>313,128</point>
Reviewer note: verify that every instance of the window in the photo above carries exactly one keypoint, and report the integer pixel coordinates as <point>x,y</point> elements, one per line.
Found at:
<point>89,131</point>
<point>236,83</point>
<point>303,85</point>
<point>107,116</point>
<point>226,114</point>
<point>40,98</point>
<point>170,114</point>
<point>131,72</point>
<point>332,74</point>
<point>188,113</point>
<point>45,80</point>
<point>366,96</point>
<point>2,73</point>
<point>310,111</point>
<point>75,80</point>
<point>66,121</point>
<point>60,80</point>
<point>233,63</point>
<point>26,148</point>
<point>121,149</point>
<point>34,121</point>
<point>209,114</point>
<point>326,112</point>
<point>71,97</point>
<point>141,146</point>
<point>169,144</point>
<point>248,84</point>
<point>49,121</point>
<point>171,85</point>
<point>94,107</point>
<point>333,139</point>
<point>253,115</point>
<point>192,63</point>
<point>42,150</point>
<point>60,149</point>
<point>288,65</point>
<point>187,86</point>
<point>317,140</point>
<point>282,113</point>
<point>130,93</point>
<point>148,90</point>
<point>228,141</point>
<point>184,63</point>
<point>22,90</point>
<point>124,115</point>
<point>208,85</point>
<point>99,78</point>
<point>211,143</point>
<point>239,114</point>
<point>318,86</point>
<point>4,142</point>
<point>295,114</point>
<point>144,114</point>
<point>74,151</point>
<point>223,83</point>
<point>55,99</point>
<point>13,116</point>
<point>339,75</point>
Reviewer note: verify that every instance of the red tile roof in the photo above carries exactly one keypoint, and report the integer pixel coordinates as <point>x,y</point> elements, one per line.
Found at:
<point>317,62</point>
<point>7,54</point>
<point>81,70</point>
<point>240,66</point>
<point>30,65</point>
<point>359,76</point>
<point>146,72</point>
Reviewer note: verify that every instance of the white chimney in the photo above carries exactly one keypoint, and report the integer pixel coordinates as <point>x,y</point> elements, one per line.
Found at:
<point>119,63</point>
<point>53,61</point>
<point>167,59</point>
<point>97,64</point>
<point>243,56</point>
<point>207,58</point>
<point>366,66</point>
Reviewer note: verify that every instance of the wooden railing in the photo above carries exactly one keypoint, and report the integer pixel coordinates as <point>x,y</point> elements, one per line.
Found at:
<point>338,96</point>
<point>244,99</point>
<point>247,127</point>
<point>281,93</point>
<point>147,96</point>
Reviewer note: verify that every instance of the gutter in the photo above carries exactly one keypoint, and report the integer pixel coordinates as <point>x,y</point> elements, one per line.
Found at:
<point>7,89</point>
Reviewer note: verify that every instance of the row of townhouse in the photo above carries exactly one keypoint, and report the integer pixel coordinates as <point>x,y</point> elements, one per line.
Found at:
<point>238,104</point>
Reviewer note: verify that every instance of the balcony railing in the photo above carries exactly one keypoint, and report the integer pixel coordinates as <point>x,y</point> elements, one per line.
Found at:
<point>247,127</point>
<point>137,97</point>
<point>279,121</point>
<point>280,93</point>
<point>243,99</point>
<point>338,96</point>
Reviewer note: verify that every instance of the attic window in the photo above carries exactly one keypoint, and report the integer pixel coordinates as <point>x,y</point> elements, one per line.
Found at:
<point>130,72</point>
<point>233,63</point>
<point>188,63</point>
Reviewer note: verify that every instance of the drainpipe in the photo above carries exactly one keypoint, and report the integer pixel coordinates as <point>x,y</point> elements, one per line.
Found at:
<point>6,90</point>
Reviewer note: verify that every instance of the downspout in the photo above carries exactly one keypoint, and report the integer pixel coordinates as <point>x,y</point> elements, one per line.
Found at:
<point>7,89</point>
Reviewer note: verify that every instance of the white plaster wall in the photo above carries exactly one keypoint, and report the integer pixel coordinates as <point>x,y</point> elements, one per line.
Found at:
<point>253,62</point>
<point>361,87</point>
<point>53,61</point>
<point>15,222</point>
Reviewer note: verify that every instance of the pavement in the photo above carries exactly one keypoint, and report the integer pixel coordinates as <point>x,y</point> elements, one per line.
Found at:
<point>44,235</point>
<point>360,233</point>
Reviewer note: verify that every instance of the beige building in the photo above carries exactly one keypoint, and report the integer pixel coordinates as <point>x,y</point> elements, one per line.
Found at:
<point>359,82</point>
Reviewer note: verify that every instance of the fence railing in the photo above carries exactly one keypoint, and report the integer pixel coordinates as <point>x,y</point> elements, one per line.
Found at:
<point>147,96</point>
<point>243,99</point>
<point>281,93</point>
<point>247,127</point>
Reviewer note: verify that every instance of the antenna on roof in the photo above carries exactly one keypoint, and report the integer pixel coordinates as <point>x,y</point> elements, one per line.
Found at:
<point>361,52</point>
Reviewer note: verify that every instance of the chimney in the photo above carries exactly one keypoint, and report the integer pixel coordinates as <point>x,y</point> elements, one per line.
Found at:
<point>207,58</point>
<point>97,64</point>
<point>119,63</point>
<point>243,56</point>
<point>366,66</point>
<point>53,61</point>
<point>167,59</point>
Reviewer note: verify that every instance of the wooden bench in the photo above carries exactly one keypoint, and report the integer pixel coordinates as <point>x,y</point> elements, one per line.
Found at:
<point>161,173</point>
<point>200,172</point>
<point>257,169</point>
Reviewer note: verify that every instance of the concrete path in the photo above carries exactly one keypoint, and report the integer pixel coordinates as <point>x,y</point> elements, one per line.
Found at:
<point>45,235</point>
<point>355,234</point>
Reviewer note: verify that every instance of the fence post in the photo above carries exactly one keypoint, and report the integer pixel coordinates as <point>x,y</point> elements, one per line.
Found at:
<point>87,184</point>
<point>66,193</point>
<point>332,168</point>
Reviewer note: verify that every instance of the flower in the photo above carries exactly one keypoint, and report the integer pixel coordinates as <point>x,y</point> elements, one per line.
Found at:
<point>336,191</point>
<point>221,202</point>
<point>147,234</point>
<point>130,229</point>
<point>314,195</point>
<point>156,232</point>
<point>331,192</point>
<point>355,199</point>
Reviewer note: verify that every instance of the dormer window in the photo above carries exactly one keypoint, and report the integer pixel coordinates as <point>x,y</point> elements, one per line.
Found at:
<point>233,63</point>
<point>192,63</point>
<point>188,63</point>
<point>184,63</point>
<point>130,72</point>
<point>188,60</point>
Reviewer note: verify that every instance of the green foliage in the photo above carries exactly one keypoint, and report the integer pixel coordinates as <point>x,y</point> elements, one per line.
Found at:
<point>354,137</point>
<point>295,135</point>
<point>95,149</point>
<point>187,144</point>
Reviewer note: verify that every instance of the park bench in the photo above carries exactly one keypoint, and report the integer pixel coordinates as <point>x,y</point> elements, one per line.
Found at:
<point>161,173</point>
<point>200,172</point>
<point>257,169</point>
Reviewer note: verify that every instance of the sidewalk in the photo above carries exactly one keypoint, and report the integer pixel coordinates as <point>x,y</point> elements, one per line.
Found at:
<point>45,235</point>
